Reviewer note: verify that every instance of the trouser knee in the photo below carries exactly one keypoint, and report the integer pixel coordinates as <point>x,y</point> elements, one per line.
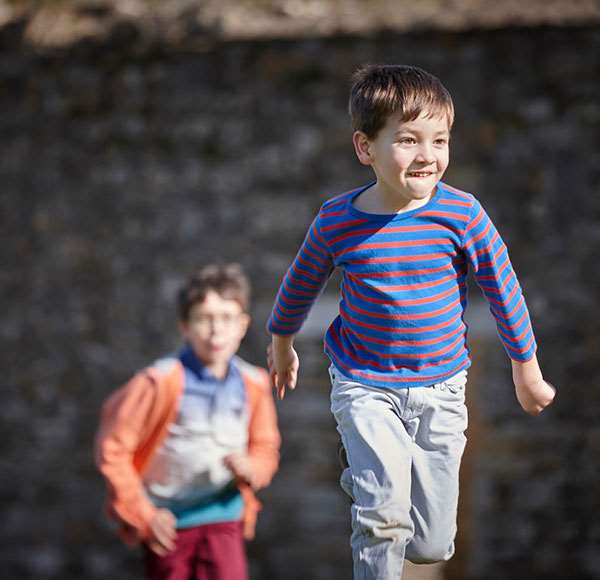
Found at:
<point>391,523</point>
<point>420,551</point>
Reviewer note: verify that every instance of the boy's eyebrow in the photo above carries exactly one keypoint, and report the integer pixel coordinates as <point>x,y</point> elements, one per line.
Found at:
<point>409,130</point>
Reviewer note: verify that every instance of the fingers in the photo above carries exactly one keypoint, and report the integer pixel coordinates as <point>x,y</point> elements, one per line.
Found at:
<point>158,549</point>
<point>288,380</point>
<point>546,398</point>
<point>168,520</point>
<point>283,370</point>
<point>166,539</point>
<point>240,465</point>
<point>163,532</point>
<point>272,371</point>
<point>272,374</point>
<point>535,407</point>
<point>279,383</point>
<point>535,397</point>
<point>291,376</point>
<point>234,462</point>
<point>279,386</point>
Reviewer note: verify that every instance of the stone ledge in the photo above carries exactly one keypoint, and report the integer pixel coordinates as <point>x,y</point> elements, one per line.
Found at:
<point>60,24</point>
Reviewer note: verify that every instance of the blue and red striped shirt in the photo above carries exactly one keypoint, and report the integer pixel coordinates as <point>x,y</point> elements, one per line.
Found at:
<point>403,292</point>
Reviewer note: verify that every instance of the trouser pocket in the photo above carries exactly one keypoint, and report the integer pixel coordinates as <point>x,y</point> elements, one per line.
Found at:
<point>457,383</point>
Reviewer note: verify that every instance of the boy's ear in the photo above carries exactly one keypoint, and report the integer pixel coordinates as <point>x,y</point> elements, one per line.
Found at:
<point>362,147</point>
<point>245,320</point>
<point>182,325</point>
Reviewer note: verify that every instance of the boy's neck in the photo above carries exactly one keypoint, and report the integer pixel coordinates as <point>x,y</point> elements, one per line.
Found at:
<point>218,369</point>
<point>379,200</point>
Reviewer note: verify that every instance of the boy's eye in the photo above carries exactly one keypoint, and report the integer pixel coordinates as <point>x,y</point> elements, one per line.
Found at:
<point>441,141</point>
<point>407,140</point>
<point>203,320</point>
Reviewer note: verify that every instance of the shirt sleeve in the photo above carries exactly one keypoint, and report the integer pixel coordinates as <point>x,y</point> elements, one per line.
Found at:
<point>264,439</point>
<point>302,284</point>
<point>116,442</point>
<point>488,256</point>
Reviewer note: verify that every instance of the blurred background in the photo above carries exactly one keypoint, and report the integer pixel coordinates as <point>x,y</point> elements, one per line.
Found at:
<point>143,138</point>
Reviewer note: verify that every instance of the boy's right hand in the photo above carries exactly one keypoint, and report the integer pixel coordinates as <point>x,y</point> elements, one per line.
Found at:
<point>161,539</point>
<point>283,364</point>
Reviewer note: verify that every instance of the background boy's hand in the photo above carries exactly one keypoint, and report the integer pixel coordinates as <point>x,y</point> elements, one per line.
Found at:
<point>283,364</point>
<point>161,539</point>
<point>533,392</point>
<point>240,465</point>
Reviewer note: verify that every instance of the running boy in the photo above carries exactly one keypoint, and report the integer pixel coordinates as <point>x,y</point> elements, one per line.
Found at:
<point>186,442</point>
<point>398,347</point>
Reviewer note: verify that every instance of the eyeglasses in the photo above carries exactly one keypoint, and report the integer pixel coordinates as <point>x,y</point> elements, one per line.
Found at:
<point>206,321</point>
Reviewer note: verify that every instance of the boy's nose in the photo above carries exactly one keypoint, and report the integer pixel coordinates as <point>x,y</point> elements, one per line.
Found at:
<point>217,324</point>
<point>426,154</point>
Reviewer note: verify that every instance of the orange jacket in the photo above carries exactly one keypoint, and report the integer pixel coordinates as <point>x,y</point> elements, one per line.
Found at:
<point>134,422</point>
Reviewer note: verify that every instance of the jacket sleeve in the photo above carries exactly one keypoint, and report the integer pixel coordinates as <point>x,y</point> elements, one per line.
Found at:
<point>264,439</point>
<point>124,416</point>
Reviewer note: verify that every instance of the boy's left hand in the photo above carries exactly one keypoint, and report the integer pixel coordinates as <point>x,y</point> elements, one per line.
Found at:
<point>240,465</point>
<point>535,397</point>
<point>533,392</point>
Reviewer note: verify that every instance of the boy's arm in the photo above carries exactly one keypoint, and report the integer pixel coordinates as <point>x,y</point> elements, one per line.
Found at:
<point>264,439</point>
<point>116,442</point>
<point>488,256</point>
<point>302,284</point>
<point>496,277</point>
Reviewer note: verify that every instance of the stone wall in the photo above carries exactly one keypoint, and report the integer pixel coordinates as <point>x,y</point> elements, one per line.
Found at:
<point>124,165</point>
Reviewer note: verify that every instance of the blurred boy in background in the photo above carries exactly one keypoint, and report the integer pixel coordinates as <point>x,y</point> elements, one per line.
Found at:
<point>185,444</point>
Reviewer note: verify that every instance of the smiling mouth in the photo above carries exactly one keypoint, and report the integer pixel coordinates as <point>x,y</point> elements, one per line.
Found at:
<point>420,173</point>
<point>216,347</point>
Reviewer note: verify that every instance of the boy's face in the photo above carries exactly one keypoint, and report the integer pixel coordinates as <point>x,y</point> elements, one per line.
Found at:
<point>408,157</point>
<point>215,328</point>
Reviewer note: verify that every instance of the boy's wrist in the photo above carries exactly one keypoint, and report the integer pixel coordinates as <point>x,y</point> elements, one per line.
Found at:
<point>282,342</point>
<point>527,373</point>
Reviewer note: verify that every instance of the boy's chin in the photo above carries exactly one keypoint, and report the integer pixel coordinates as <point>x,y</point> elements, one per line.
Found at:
<point>214,357</point>
<point>423,192</point>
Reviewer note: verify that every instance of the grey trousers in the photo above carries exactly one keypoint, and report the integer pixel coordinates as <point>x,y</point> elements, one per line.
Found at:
<point>404,448</point>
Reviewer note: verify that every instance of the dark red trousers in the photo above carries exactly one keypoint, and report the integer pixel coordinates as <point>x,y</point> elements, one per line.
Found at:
<point>208,552</point>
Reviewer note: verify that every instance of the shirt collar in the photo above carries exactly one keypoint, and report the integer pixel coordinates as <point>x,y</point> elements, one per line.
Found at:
<point>190,361</point>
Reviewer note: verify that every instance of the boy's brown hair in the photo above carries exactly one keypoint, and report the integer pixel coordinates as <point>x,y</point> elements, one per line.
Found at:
<point>227,280</point>
<point>379,91</point>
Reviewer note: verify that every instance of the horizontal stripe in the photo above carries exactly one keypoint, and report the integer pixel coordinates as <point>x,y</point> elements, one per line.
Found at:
<point>401,273</point>
<point>389,231</point>
<point>412,315</point>
<point>366,339</point>
<point>404,330</point>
